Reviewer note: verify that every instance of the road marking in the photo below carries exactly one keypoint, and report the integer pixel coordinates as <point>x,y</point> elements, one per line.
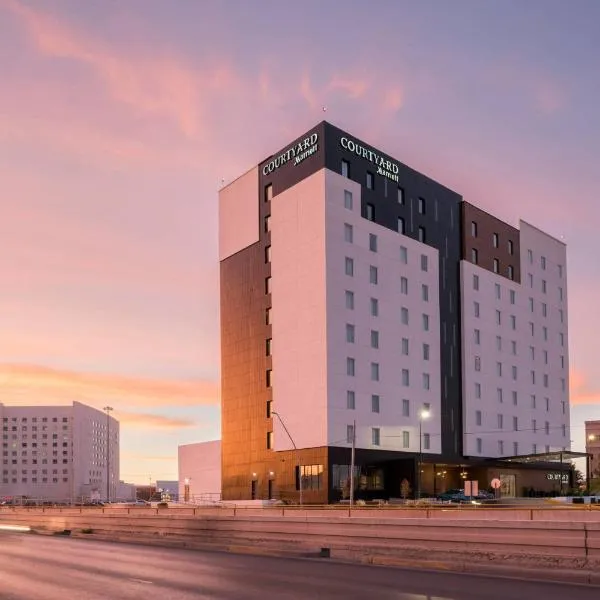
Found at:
<point>141,580</point>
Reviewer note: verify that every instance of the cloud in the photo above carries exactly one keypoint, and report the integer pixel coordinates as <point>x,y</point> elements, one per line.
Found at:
<point>35,384</point>
<point>579,390</point>
<point>393,100</point>
<point>149,421</point>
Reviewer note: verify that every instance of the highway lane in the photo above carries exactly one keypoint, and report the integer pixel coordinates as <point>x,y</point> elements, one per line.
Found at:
<point>54,568</point>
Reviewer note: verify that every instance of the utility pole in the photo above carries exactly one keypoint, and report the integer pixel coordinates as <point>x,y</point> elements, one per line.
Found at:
<point>424,414</point>
<point>295,450</point>
<point>108,409</point>
<point>352,463</point>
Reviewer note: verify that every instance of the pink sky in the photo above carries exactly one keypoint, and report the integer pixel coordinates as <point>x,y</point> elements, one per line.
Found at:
<point>120,121</point>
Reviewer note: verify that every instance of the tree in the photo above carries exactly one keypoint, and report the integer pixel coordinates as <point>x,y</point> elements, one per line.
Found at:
<point>405,489</point>
<point>578,479</point>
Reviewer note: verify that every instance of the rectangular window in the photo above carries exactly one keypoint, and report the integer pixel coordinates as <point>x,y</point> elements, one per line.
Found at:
<point>400,195</point>
<point>543,262</point>
<point>269,378</point>
<point>547,428</point>
<point>404,255</point>
<point>477,363</point>
<point>374,339</point>
<point>401,226</point>
<point>349,267</point>
<point>375,403</point>
<point>500,447</point>
<point>545,332</point>
<point>268,254</point>
<point>267,223</point>
<point>371,212</point>
<point>426,441</point>
<point>372,242</point>
<point>422,234</point>
<point>510,272</point>
<point>515,398</point>
<point>374,371</point>
<point>345,168</point>
<point>425,351</point>
<point>513,347</point>
<point>516,423</point>
<point>421,206</point>
<point>531,307</point>
<point>270,440</point>
<point>350,400</point>
<point>406,439</point>
<point>269,347</point>
<point>534,425</point>
<point>349,434</point>
<point>547,402</point>
<point>424,262</point>
<point>374,307</point>
<point>544,286</point>
<point>514,372</point>
<point>500,421</point>
<point>474,256</point>
<point>499,369</point>
<point>495,240</point>
<point>530,277</point>
<point>533,401</point>
<point>498,342</point>
<point>544,309</point>
<point>348,233</point>
<point>476,282</point>
<point>498,291</point>
<point>500,395</point>
<point>348,203</point>
<point>498,318</point>
<point>350,333</point>
<point>561,315</point>
<point>545,380</point>
<point>426,381</point>
<point>350,367</point>
<point>531,328</point>
<point>560,271</point>
<point>513,322</point>
<point>560,294</point>
<point>473,229</point>
<point>479,445</point>
<point>533,377</point>
<point>476,309</point>
<point>375,436</point>
<point>349,300</point>
<point>425,322</point>
<point>373,275</point>
<point>561,337</point>
<point>268,192</point>
<point>477,336</point>
<point>511,247</point>
<point>404,316</point>
<point>478,390</point>
<point>370,180</point>
<point>406,408</point>
<point>405,348</point>
<point>425,292</point>
<point>496,266</point>
<point>530,256</point>
<point>403,285</point>
<point>513,296</point>
<point>268,285</point>
<point>405,378</point>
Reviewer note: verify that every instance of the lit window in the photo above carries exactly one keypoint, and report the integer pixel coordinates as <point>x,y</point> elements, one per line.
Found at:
<point>496,266</point>
<point>270,440</point>
<point>268,254</point>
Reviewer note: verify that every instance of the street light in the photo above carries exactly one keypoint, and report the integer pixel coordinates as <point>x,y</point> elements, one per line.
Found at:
<point>186,490</point>
<point>108,410</point>
<point>424,414</point>
<point>295,450</point>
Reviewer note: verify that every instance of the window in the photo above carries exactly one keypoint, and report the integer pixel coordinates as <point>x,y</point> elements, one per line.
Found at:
<point>477,336</point>
<point>406,439</point>
<point>500,395</point>
<point>424,262</point>
<point>375,437</point>
<point>560,271</point>
<point>374,371</point>
<point>515,398</point>
<point>370,180</point>
<point>476,282</point>
<point>404,255</point>
<point>348,199</point>
<point>515,423</point>
<point>533,401</point>
<point>531,308</point>
<point>349,300</point>
<point>500,447</point>
<point>496,266</point>
<point>374,339</point>
<point>560,294</point>
<point>426,381</point>
<point>371,212</point>
<point>545,332</point>
<point>513,321</point>
<point>479,445</point>
<point>350,333</point>
<point>515,448</point>
<point>498,342</point>
<point>405,349</point>
<point>373,275</point>
<point>350,400</point>
<point>425,351</point>
<point>530,256</point>
<point>500,421</point>
<point>267,223</point>
<point>498,317</point>
<point>401,226</point>
<point>561,315</point>
<point>404,316</point>
<point>426,441</point>
<point>544,286</point>
<point>421,206</point>
<point>268,254</point>
<point>268,192</point>
<point>348,233</point>
<point>403,285</point>
<point>406,408</point>
<point>561,337</point>
<point>405,378</point>
<point>269,408</point>
<point>345,168</point>
<point>531,328</point>
<point>349,434</point>
<point>372,242</point>
<point>547,428</point>
<point>477,390</point>
<point>425,292</point>
<point>530,277</point>
<point>350,367</point>
<point>269,347</point>
<point>547,402</point>
<point>545,380</point>
<point>375,403</point>
<point>422,234</point>
<point>499,369</point>
<point>400,195</point>
<point>543,262</point>
<point>425,322</point>
<point>511,272</point>
<point>498,291</point>
<point>512,296</point>
<point>511,247</point>
<point>533,377</point>
<point>270,445</point>
<point>534,425</point>
<point>474,257</point>
<point>476,309</point>
<point>513,347</point>
<point>477,363</point>
<point>473,229</point>
<point>374,307</point>
<point>495,240</point>
<point>268,285</point>
<point>514,372</point>
<point>349,266</point>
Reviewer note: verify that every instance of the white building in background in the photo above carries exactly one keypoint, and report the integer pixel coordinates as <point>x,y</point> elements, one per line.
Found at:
<point>59,453</point>
<point>200,471</point>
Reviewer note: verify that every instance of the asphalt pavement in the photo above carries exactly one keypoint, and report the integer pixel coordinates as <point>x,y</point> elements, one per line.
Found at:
<point>34,567</point>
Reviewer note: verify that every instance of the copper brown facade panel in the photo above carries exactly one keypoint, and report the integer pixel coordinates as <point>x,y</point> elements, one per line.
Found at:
<point>480,231</point>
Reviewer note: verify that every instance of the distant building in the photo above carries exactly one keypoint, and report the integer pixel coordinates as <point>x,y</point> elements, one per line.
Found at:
<point>59,453</point>
<point>126,492</point>
<point>200,471</point>
<point>592,447</point>
<point>168,489</point>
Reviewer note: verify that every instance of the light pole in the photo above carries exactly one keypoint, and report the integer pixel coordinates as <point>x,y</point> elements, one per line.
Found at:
<point>108,409</point>
<point>186,490</point>
<point>424,414</point>
<point>295,450</point>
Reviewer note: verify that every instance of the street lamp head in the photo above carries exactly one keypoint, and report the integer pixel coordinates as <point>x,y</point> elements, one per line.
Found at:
<point>425,414</point>
<point>592,437</point>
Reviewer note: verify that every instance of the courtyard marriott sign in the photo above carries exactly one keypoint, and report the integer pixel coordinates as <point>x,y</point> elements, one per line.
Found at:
<point>385,167</point>
<point>296,153</point>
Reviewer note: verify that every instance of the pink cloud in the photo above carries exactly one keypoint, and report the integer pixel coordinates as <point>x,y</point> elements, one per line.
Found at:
<point>580,392</point>
<point>393,99</point>
<point>149,421</point>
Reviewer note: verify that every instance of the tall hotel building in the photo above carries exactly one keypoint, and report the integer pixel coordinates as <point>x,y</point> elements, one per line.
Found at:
<point>359,296</point>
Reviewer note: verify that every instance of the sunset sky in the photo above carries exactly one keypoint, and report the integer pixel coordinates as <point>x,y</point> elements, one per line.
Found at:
<point>119,121</point>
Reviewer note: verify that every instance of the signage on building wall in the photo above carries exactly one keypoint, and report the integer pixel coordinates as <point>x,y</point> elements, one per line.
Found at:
<point>385,166</point>
<point>557,476</point>
<point>295,154</point>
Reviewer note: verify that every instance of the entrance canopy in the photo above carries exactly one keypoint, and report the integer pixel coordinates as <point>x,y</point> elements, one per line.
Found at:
<point>560,456</point>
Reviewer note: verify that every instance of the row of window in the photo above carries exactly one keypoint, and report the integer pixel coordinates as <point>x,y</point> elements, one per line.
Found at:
<point>501,447</point>
<point>34,480</point>
<point>376,437</point>
<point>515,398</point>
<point>510,270</point>
<point>515,424</point>
<point>34,461</point>
<point>376,403</point>
<point>514,371</point>
<point>513,349</point>
<point>375,340</point>
<point>543,263</point>
<point>495,238</point>
<point>374,271</point>
<point>376,374</point>
<point>33,419</point>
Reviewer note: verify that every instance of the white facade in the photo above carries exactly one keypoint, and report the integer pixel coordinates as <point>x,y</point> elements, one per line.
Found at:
<point>355,306</point>
<point>515,353</point>
<point>199,468</point>
<point>59,453</point>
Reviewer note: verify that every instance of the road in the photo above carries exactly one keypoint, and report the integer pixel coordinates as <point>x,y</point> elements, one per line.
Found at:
<point>52,568</point>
